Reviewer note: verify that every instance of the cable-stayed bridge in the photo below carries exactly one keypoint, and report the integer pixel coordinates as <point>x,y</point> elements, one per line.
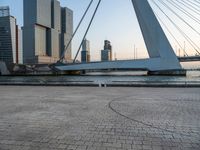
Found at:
<point>162,57</point>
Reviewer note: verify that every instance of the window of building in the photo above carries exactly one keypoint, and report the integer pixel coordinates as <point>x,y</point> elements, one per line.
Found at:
<point>3,30</point>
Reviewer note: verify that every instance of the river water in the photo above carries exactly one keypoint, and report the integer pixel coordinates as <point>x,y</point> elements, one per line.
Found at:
<point>104,77</point>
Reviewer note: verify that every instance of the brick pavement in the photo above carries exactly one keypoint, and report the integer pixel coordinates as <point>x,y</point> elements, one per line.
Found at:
<point>88,118</point>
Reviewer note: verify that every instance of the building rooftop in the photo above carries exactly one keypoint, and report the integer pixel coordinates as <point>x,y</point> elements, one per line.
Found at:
<point>4,11</point>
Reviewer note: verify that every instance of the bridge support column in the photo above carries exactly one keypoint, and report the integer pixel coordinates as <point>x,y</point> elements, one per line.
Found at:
<point>156,41</point>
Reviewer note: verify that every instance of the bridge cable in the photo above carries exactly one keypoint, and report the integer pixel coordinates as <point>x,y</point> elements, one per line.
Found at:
<point>188,25</point>
<point>186,37</point>
<point>192,3</point>
<point>80,22</point>
<point>184,11</point>
<point>181,32</point>
<point>197,1</point>
<point>179,17</point>
<point>179,29</point>
<point>185,53</point>
<point>87,30</point>
<point>189,6</point>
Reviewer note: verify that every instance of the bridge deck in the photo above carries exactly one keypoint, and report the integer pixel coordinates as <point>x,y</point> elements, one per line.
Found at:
<point>151,64</point>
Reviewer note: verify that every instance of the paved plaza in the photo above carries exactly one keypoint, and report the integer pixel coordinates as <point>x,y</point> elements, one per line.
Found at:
<point>92,118</point>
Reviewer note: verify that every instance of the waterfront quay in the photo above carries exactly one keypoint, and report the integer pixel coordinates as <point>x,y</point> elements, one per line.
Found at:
<point>94,118</point>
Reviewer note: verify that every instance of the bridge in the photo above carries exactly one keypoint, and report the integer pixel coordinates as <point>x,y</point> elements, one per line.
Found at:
<point>162,58</point>
<point>140,64</point>
<point>189,58</point>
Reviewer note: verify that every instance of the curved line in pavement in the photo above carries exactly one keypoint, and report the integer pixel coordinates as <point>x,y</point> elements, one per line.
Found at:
<point>138,121</point>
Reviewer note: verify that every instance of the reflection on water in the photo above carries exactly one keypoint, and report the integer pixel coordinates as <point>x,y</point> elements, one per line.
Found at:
<point>142,76</point>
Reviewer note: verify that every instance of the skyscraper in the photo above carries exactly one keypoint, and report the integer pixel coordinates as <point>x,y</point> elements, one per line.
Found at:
<point>85,53</point>
<point>20,47</point>
<point>66,32</point>
<point>106,53</point>
<point>9,37</point>
<point>43,31</point>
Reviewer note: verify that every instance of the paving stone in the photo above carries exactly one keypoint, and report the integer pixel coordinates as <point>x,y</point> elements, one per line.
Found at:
<point>88,118</point>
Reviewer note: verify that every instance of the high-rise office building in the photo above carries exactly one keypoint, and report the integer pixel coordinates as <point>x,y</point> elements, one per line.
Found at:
<point>85,53</point>
<point>10,39</point>
<point>43,31</point>
<point>67,32</point>
<point>106,53</point>
<point>20,47</point>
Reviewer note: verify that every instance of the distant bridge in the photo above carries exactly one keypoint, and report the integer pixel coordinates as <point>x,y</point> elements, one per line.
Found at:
<point>189,58</point>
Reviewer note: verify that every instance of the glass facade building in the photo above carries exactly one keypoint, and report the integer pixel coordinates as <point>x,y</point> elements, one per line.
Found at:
<point>10,39</point>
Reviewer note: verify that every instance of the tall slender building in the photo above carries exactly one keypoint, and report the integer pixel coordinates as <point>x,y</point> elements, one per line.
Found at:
<point>106,53</point>
<point>20,47</point>
<point>85,53</point>
<point>66,32</point>
<point>43,31</point>
<point>9,37</point>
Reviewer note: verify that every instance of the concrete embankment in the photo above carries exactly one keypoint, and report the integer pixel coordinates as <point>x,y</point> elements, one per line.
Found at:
<point>98,84</point>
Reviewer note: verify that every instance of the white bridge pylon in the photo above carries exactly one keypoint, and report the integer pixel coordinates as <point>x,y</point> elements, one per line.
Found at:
<point>162,56</point>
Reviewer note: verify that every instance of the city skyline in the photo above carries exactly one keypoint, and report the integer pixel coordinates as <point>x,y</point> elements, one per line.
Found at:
<point>117,24</point>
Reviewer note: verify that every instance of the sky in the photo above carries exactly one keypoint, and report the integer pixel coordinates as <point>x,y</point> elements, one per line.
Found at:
<point>115,21</point>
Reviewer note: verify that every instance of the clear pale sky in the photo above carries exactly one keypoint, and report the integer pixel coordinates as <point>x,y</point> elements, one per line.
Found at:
<point>115,21</point>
